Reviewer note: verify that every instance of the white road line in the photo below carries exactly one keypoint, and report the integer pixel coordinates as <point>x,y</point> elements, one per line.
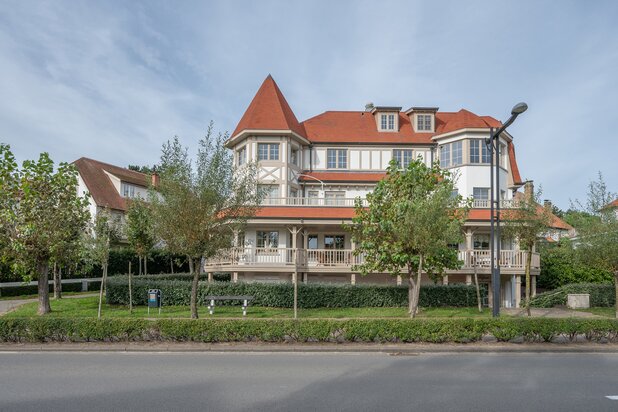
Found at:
<point>612,397</point>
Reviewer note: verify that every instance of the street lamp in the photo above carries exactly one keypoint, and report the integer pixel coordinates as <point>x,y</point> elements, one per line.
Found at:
<point>493,145</point>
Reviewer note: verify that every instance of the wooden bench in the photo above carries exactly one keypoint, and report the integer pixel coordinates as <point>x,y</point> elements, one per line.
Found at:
<point>244,299</point>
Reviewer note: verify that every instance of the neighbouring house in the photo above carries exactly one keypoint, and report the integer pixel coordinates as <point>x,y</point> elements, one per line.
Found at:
<point>312,171</point>
<point>111,187</point>
<point>613,206</point>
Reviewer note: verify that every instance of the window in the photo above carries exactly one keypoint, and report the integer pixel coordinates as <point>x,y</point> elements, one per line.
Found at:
<point>293,193</point>
<point>334,198</point>
<point>403,157</point>
<point>445,156</point>
<point>312,242</point>
<point>454,194</point>
<point>480,193</point>
<point>423,122</point>
<point>127,190</point>
<point>479,152</point>
<point>387,122</point>
<point>267,239</point>
<point>334,241</point>
<point>481,242</point>
<point>457,149</point>
<point>294,156</point>
<point>313,196</point>
<point>503,155</point>
<point>270,194</point>
<point>268,151</point>
<point>337,158</point>
<point>240,240</point>
<point>241,156</point>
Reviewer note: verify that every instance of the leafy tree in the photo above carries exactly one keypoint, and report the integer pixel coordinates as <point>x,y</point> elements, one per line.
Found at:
<point>196,206</point>
<point>105,233</point>
<point>140,234</point>
<point>9,200</point>
<point>411,219</point>
<point>526,222</point>
<point>597,243</point>
<point>43,216</point>
<point>149,170</point>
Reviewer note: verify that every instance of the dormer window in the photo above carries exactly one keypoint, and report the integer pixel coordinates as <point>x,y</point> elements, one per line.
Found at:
<point>127,190</point>
<point>423,122</point>
<point>387,121</point>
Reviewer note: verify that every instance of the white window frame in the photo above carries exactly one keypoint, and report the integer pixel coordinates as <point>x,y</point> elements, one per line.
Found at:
<point>267,236</point>
<point>241,156</point>
<point>269,151</point>
<point>424,122</point>
<point>338,163</point>
<point>403,157</point>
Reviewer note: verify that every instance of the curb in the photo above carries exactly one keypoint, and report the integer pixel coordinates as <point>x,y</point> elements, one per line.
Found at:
<point>393,350</point>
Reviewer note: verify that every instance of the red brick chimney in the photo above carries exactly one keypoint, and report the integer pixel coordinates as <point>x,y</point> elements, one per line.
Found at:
<point>155,180</point>
<point>529,189</point>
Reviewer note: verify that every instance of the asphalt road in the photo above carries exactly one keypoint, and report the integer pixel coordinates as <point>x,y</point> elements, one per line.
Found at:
<point>114,381</point>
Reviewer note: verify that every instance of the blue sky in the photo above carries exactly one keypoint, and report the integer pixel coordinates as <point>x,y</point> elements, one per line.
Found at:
<point>113,80</point>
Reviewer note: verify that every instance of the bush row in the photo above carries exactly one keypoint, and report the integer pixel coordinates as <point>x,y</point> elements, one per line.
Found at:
<point>601,295</point>
<point>33,289</point>
<point>306,330</point>
<point>176,291</point>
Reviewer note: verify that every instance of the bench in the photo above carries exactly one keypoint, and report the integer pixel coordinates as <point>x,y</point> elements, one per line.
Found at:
<point>244,299</point>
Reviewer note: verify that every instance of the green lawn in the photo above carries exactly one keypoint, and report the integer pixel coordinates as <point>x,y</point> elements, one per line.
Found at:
<point>608,312</point>
<point>87,307</point>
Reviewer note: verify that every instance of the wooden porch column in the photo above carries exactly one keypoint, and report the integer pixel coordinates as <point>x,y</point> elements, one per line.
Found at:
<point>399,281</point>
<point>468,279</point>
<point>445,280</point>
<point>353,278</point>
<point>294,232</point>
<point>517,291</point>
<point>235,277</point>
<point>469,244</point>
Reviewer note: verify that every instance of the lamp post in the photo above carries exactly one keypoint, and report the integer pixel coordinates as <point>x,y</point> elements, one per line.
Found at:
<point>493,145</point>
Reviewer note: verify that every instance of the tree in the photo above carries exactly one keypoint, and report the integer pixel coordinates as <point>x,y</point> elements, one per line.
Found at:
<point>196,207</point>
<point>140,234</point>
<point>42,217</point>
<point>411,219</point>
<point>526,222</point>
<point>149,170</point>
<point>104,233</point>
<point>597,243</point>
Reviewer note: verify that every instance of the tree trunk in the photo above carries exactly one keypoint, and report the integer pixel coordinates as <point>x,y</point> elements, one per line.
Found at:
<point>103,279</point>
<point>139,259</point>
<point>478,289</point>
<point>417,289</point>
<point>43,271</point>
<point>194,285</point>
<point>130,289</point>
<point>616,283</point>
<point>528,281</point>
<point>57,282</point>
<point>172,265</point>
<point>145,265</point>
<point>411,288</point>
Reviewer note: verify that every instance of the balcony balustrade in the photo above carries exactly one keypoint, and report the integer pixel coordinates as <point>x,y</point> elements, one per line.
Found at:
<point>345,258</point>
<point>350,202</point>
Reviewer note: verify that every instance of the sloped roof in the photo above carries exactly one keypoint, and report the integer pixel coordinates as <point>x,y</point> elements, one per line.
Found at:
<point>269,111</point>
<point>612,204</point>
<point>100,185</point>
<point>343,176</point>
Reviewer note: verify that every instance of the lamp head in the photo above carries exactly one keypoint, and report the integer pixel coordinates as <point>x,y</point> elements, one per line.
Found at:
<point>519,108</point>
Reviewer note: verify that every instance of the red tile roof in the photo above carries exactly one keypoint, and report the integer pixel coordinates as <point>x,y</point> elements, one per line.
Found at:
<point>612,204</point>
<point>100,185</point>
<point>269,111</point>
<point>514,168</point>
<point>343,176</point>
<point>306,212</point>
<point>485,215</point>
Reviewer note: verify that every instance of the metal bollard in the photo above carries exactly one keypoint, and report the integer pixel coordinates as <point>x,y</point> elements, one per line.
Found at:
<point>244,308</point>
<point>211,307</point>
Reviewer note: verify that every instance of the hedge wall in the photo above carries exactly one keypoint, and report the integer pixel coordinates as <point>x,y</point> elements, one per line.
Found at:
<point>176,291</point>
<point>601,295</point>
<point>45,329</point>
<point>33,289</point>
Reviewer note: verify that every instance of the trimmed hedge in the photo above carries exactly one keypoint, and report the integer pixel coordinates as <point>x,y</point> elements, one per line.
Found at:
<point>601,295</point>
<point>33,289</point>
<point>176,291</point>
<point>44,329</point>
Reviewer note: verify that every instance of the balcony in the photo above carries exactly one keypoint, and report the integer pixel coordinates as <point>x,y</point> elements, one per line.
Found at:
<point>249,259</point>
<point>350,202</point>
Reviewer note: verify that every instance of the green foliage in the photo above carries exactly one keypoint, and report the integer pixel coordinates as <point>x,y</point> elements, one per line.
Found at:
<point>560,266</point>
<point>176,290</point>
<point>47,329</point>
<point>601,295</point>
<point>32,289</point>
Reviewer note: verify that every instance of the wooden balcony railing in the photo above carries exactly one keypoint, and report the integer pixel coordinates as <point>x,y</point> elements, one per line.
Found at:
<point>276,257</point>
<point>311,201</point>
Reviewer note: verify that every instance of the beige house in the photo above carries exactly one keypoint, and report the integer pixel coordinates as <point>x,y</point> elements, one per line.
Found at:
<point>312,171</point>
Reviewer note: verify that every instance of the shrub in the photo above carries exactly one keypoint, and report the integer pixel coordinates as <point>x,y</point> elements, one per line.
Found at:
<point>601,295</point>
<point>48,329</point>
<point>33,289</point>
<point>176,290</point>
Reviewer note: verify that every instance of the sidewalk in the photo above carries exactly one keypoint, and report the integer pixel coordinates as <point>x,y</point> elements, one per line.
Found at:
<point>408,349</point>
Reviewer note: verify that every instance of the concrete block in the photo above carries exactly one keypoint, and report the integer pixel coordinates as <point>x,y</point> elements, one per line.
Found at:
<point>578,300</point>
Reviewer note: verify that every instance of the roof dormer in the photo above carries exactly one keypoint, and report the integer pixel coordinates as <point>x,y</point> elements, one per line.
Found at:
<point>387,118</point>
<point>423,119</point>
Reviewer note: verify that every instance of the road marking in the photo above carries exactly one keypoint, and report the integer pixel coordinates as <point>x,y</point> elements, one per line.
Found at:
<point>612,397</point>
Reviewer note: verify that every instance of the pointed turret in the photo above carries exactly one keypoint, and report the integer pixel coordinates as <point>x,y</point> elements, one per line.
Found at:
<point>269,111</point>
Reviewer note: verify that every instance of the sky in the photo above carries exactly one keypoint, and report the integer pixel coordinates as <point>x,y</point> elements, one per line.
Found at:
<point>114,80</point>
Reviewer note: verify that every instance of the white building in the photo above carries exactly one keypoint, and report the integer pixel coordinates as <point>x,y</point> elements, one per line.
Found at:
<point>313,171</point>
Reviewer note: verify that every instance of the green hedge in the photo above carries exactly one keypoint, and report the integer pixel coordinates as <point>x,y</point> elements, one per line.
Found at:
<point>176,291</point>
<point>45,329</point>
<point>601,295</point>
<point>33,289</point>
